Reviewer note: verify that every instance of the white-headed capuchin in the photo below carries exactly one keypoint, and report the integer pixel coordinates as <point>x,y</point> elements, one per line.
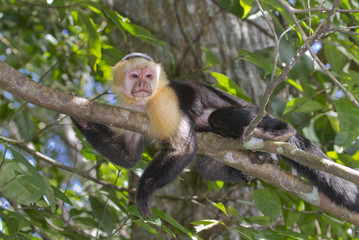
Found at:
<point>176,110</point>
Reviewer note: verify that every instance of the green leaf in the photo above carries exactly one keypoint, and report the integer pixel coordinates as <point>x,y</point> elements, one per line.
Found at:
<point>49,193</point>
<point>211,59</point>
<point>34,176</point>
<point>60,8</point>
<point>88,221</point>
<point>232,6</point>
<point>141,33</point>
<point>60,195</point>
<point>93,38</point>
<point>173,222</point>
<point>292,234</point>
<point>116,19</point>
<point>26,124</point>
<point>215,185</point>
<point>205,224</point>
<point>261,220</point>
<point>302,104</point>
<point>352,80</point>
<point>246,233</point>
<point>247,6</point>
<point>233,211</point>
<point>259,61</point>
<point>295,84</point>
<point>112,55</point>
<point>220,206</point>
<point>348,116</point>
<point>290,217</point>
<point>102,216</point>
<point>275,4</point>
<point>16,185</point>
<point>35,179</point>
<point>268,203</point>
<point>267,235</point>
<point>228,85</point>
<point>335,58</point>
<point>94,6</point>
<point>141,224</point>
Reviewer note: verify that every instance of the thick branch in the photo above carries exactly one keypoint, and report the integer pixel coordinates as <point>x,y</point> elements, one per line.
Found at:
<point>20,86</point>
<point>276,176</point>
<point>209,143</point>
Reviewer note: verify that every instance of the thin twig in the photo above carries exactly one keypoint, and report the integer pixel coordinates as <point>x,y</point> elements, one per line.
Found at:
<point>325,69</point>
<point>106,203</point>
<point>53,162</point>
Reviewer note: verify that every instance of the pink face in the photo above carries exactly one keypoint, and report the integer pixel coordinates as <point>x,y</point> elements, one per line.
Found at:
<point>139,82</point>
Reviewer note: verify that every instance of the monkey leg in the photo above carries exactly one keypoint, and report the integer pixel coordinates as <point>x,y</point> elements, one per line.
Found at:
<point>233,121</point>
<point>164,168</point>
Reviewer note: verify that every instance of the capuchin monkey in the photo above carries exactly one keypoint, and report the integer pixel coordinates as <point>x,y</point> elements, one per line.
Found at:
<point>176,110</point>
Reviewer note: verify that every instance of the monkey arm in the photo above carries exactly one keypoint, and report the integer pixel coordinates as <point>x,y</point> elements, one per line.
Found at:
<point>121,147</point>
<point>165,167</point>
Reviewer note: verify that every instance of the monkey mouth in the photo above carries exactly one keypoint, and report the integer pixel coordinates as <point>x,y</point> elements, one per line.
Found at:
<point>141,93</point>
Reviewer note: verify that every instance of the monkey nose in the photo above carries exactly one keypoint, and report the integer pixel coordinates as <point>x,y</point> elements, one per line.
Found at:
<point>141,84</point>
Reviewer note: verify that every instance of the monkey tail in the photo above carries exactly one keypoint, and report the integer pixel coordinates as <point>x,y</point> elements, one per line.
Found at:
<point>340,191</point>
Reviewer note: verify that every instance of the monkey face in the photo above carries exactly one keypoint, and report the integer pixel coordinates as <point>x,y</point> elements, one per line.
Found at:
<point>136,81</point>
<point>139,82</point>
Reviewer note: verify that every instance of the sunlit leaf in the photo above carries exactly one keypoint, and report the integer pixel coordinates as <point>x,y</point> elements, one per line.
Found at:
<point>93,38</point>
<point>141,33</point>
<point>228,85</point>
<point>220,206</point>
<point>295,84</point>
<point>302,104</point>
<point>205,224</point>
<point>247,6</point>
<point>211,58</point>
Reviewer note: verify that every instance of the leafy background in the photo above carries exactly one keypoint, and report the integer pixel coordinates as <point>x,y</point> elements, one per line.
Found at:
<point>53,185</point>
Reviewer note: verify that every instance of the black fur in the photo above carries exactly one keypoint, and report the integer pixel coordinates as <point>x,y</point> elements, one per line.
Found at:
<point>216,171</point>
<point>206,108</point>
<point>123,150</point>
<point>340,191</point>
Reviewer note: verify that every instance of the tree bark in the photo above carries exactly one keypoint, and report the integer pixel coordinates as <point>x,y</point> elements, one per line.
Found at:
<point>188,27</point>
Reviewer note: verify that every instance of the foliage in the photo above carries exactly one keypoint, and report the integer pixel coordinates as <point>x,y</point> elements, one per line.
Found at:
<point>67,45</point>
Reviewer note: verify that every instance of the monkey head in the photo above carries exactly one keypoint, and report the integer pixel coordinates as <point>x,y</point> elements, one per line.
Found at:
<point>137,78</point>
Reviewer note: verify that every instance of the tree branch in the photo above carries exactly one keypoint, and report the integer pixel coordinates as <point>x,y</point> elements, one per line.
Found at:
<point>321,33</point>
<point>222,149</point>
<point>52,162</point>
<point>276,176</point>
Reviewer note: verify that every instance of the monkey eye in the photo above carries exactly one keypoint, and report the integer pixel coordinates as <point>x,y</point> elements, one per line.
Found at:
<point>149,75</point>
<point>134,75</point>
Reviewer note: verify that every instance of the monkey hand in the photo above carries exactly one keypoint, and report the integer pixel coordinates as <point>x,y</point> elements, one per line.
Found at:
<point>260,157</point>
